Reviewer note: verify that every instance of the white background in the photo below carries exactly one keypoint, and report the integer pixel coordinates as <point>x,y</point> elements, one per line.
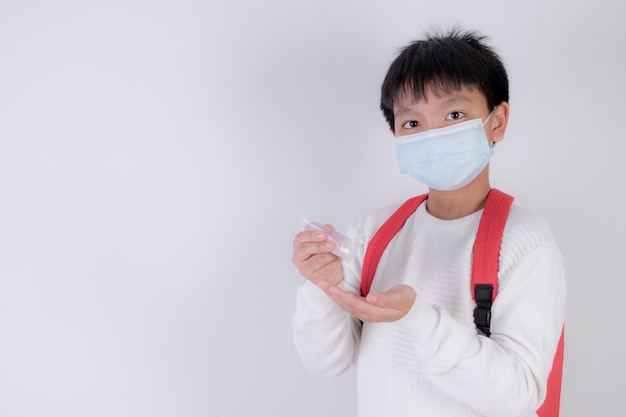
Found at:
<point>154,156</point>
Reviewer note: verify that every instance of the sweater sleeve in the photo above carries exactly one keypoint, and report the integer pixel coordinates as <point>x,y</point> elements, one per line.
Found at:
<point>326,336</point>
<point>506,374</point>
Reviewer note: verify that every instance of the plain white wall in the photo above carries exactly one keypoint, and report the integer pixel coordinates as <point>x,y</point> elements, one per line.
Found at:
<point>154,156</point>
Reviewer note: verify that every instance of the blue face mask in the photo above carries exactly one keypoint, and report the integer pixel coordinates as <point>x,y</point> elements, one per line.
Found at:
<point>447,158</point>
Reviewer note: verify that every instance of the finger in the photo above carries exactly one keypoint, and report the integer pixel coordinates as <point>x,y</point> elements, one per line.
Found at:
<point>398,297</point>
<point>352,303</point>
<point>360,307</point>
<point>309,236</point>
<point>305,251</point>
<point>312,243</point>
<point>389,306</point>
<point>318,263</point>
<point>323,284</point>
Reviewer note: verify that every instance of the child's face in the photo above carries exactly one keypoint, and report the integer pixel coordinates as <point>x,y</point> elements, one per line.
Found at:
<point>439,111</point>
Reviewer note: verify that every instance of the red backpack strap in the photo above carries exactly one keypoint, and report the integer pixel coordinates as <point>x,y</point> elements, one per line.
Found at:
<point>382,237</point>
<point>486,254</point>
<point>485,285</point>
<point>552,402</point>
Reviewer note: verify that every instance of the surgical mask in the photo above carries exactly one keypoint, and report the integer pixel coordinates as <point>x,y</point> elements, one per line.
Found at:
<point>446,158</point>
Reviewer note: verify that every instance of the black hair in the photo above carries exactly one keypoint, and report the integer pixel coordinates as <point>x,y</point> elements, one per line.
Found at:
<point>445,63</point>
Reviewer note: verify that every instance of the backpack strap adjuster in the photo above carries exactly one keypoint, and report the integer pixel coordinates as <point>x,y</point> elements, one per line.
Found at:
<point>482,312</point>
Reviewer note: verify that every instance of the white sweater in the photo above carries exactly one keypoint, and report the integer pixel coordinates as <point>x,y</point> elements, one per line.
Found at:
<point>434,362</point>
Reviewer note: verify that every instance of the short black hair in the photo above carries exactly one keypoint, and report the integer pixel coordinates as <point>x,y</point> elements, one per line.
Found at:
<point>445,63</point>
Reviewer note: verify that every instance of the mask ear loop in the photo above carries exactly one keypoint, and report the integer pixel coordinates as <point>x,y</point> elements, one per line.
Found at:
<point>493,144</point>
<point>490,114</point>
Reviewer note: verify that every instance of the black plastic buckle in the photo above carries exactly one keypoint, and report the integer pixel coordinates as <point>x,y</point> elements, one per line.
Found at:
<point>482,312</point>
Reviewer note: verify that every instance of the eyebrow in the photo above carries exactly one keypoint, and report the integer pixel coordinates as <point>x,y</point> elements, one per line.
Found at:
<point>403,110</point>
<point>456,99</point>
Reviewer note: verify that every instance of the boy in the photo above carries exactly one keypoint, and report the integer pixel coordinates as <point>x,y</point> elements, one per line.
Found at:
<point>413,338</point>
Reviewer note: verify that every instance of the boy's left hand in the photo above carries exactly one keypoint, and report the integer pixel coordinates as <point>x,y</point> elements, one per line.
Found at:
<point>377,306</point>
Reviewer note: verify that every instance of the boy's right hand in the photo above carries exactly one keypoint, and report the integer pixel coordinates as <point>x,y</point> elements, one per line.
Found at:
<point>312,257</point>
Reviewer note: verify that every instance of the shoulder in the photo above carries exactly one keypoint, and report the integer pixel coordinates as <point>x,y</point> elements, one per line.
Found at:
<point>527,229</point>
<point>526,238</point>
<point>530,257</point>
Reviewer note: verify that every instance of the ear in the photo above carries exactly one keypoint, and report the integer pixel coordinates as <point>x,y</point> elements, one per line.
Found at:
<point>499,121</point>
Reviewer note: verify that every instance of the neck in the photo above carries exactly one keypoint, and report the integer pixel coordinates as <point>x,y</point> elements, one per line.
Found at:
<point>450,205</point>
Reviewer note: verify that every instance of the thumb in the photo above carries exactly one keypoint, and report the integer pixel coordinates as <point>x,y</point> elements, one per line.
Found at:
<point>398,297</point>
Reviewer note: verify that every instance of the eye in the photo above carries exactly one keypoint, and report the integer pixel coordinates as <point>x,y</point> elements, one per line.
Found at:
<point>410,124</point>
<point>455,115</point>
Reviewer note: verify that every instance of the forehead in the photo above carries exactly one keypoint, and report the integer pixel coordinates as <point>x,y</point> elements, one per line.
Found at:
<point>464,96</point>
